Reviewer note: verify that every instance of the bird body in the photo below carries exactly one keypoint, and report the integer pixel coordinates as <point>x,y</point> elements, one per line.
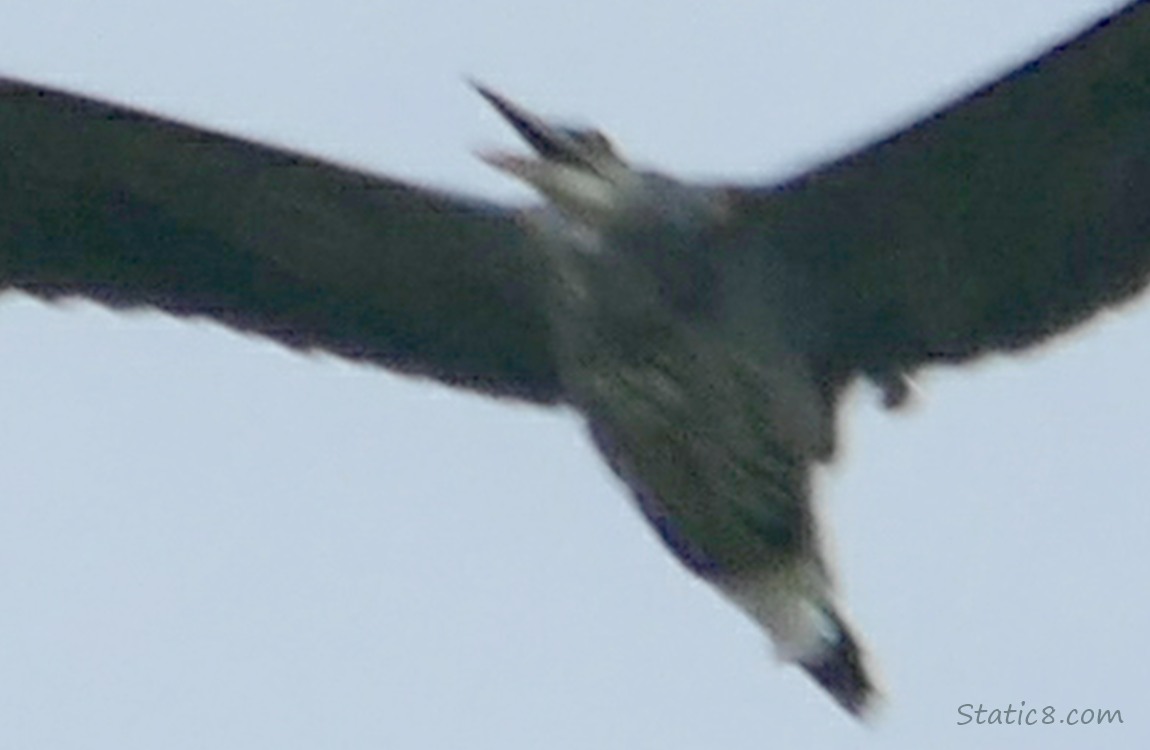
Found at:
<point>714,424</point>
<point>706,333</point>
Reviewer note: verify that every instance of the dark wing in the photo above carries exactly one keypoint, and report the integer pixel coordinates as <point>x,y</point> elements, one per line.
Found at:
<point>1013,214</point>
<point>132,210</point>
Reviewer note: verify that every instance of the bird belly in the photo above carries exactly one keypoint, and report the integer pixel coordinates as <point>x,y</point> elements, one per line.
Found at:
<point>697,434</point>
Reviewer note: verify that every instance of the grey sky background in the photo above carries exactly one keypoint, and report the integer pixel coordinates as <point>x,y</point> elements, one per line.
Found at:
<point>209,542</point>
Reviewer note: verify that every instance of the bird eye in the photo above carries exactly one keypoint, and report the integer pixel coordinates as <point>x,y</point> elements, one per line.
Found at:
<point>594,140</point>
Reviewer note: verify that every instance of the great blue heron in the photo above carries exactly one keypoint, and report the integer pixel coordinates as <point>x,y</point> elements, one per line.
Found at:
<point>705,331</point>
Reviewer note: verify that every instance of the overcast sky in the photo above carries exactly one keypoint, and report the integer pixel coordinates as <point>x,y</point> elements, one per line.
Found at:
<point>209,542</point>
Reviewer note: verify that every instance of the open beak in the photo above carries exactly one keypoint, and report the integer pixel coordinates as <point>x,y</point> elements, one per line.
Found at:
<point>551,143</point>
<point>564,169</point>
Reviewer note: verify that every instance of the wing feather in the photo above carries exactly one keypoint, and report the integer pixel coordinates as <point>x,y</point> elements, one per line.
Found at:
<point>1007,217</point>
<point>133,210</point>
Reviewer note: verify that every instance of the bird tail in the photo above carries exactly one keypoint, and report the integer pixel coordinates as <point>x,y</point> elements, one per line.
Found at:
<point>797,611</point>
<point>839,667</point>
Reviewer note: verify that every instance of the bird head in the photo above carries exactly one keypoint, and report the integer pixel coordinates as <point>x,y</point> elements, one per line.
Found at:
<point>576,169</point>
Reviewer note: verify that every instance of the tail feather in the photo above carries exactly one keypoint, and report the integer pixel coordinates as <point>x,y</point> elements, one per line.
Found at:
<point>841,671</point>
<point>798,612</point>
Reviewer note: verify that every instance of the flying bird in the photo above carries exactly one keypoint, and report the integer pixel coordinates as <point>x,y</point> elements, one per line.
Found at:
<point>705,332</point>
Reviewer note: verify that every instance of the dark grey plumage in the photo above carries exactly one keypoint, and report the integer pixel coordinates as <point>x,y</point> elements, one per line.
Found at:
<point>706,332</point>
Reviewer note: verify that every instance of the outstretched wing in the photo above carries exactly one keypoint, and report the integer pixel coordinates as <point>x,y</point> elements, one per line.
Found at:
<point>133,210</point>
<point>1013,214</point>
